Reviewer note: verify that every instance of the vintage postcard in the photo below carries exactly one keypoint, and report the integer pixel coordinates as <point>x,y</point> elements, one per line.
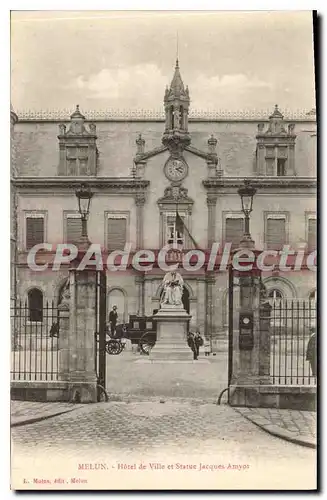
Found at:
<point>163,250</point>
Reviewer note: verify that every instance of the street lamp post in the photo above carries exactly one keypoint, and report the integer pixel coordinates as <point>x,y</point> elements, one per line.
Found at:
<point>246,193</point>
<point>84,196</point>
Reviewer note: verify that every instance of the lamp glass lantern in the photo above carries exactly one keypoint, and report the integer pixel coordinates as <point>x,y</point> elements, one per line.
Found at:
<point>247,193</point>
<point>84,196</point>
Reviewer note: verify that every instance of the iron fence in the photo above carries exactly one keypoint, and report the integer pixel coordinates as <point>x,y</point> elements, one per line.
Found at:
<point>35,333</point>
<point>293,353</point>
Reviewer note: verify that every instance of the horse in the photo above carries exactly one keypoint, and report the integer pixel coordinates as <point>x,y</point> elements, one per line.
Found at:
<point>121,331</point>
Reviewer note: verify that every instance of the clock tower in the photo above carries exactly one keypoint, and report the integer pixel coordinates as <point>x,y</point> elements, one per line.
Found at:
<point>177,102</point>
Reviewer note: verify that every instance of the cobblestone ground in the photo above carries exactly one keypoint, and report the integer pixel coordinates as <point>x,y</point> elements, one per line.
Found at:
<point>122,436</point>
<point>23,411</point>
<point>297,424</point>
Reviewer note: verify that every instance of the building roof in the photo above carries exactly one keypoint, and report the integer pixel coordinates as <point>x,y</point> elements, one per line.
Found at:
<point>54,115</point>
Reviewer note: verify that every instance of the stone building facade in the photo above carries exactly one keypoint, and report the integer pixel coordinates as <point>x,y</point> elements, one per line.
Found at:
<point>141,167</point>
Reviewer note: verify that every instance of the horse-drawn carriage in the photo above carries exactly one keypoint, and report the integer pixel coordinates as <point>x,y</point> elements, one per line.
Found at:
<point>140,330</point>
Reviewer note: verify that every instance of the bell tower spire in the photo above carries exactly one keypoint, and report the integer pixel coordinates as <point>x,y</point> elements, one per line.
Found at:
<point>177,103</point>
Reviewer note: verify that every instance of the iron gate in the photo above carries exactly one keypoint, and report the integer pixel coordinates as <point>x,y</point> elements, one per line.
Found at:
<point>100,334</point>
<point>292,325</point>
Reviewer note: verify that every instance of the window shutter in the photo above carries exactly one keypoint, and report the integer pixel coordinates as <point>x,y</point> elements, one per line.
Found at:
<point>34,231</point>
<point>73,229</point>
<point>270,165</point>
<point>116,238</point>
<point>234,231</point>
<point>276,234</point>
<point>312,234</point>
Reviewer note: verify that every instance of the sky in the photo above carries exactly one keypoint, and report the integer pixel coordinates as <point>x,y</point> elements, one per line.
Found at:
<point>123,60</point>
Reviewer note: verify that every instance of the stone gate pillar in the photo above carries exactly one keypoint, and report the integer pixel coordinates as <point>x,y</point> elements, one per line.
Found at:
<point>77,317</point>
<point>251,351</point>
<point>82,375</point>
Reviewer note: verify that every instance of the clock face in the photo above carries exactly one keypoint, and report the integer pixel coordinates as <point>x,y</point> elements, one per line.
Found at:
<point>176,169</point>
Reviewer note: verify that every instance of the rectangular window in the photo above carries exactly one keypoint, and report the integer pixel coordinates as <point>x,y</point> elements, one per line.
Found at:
<point>116,232</point>
<point>234,230</point>
<point>34,231</point>
<point>275,233</point>
<point>174,231</point>
<point>73,228</point>
<point>77,161</point>
<point>281,167</point>
<point>312,234</point>
<point>270,166</point>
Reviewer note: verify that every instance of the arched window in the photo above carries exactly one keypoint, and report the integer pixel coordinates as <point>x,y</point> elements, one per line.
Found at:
<point>35,305</point>
<point>313,297</point>
<point>275,297</point>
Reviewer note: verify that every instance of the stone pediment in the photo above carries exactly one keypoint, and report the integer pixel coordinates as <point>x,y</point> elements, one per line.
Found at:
<point>175,194</point>
<point>77,127</point>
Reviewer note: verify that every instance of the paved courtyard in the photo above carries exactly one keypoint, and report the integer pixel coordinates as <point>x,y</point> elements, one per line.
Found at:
<point>203,379</point>
<point>105,445</point>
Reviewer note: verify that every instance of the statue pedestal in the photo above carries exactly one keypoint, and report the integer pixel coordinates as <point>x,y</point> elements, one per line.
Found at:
<point>171,344</point>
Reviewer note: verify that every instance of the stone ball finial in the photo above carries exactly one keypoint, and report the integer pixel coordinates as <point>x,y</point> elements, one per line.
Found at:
<point>77,114</point>
<point>276,113</point>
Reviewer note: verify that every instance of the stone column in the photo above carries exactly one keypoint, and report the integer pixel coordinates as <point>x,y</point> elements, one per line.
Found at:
<point>64,339</point>
<point>92,160</point>
<point>276,159</point>
<point>139,202</point>
<point>210,281</point>
<point>264,349</point>
<point>291,159</point>
<point>261,160</point>
<point>62,159</point>
<point>82,375</point>
<point>211,203</point>
<point>201,304</point>
<point>139,280</point>
<point>212,169</point>
<point>148,294</point>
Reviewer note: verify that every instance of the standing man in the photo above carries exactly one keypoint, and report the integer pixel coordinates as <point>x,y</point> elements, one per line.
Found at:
<point>198,341</point>
<point>191,343</point>
<point>113,315</point>
<point>311,354</point>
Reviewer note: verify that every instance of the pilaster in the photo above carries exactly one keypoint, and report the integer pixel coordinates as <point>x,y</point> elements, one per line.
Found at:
<point>291,159</point>
<point>211,203</point>
<point>139,280</point>
<point>64,340</point>
<point>139,202</point>
<point>209,283</point>
<point>261,160</point>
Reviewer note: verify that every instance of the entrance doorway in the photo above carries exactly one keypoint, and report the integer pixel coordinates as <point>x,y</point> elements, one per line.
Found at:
<point>186,300</point>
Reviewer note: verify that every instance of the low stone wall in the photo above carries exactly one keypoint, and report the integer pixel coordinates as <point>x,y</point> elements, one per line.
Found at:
<point>40,391</point>
<point>292,397</point>
<point>53,391</point>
